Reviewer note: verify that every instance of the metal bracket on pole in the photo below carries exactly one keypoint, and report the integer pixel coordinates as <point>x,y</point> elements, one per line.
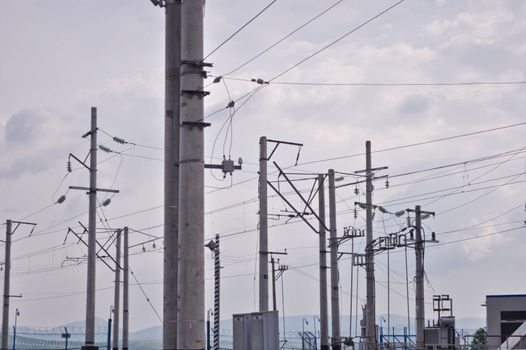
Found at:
<point>299,194</point>
<point>292,207</point>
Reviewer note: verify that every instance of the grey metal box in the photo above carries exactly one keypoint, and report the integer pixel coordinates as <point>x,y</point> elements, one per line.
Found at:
<point>256,331</point>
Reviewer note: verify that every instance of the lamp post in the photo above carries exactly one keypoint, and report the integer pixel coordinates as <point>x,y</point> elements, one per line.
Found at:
<point>14,328</point>
<point>303,323</point>
<point>315,333</point>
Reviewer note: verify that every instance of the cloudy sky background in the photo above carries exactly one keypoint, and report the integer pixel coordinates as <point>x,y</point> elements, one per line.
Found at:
<point>59,58</point>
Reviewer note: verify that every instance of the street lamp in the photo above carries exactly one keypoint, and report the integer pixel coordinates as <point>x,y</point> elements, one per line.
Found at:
<point>14,328</point>
<point>303,323</point>
<point>315,332</point>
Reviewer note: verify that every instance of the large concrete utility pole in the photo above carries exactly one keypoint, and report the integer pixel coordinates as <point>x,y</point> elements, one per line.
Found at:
<point>419,275</point>
<point>125,293</point>
<point>335,278</point>
<point>324,313</point>
<point>171,170</point>
<point>263,225</point>
<point>191,272</point>
<point>370,326</point>
<point>117,292</point>
<point>370,307</point>
<point>419,281</point>
<point>92,237</point>
<point>7,282</point>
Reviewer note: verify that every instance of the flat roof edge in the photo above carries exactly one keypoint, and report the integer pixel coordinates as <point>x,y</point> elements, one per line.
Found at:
<point>507,296</point>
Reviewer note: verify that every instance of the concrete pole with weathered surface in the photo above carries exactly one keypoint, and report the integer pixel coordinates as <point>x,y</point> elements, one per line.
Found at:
<point>263,226</point>
<point>117,292</point>
<point>335,277</point>
<point>191,279</point>
<point>324,310</point>
<point>171,170</point>
<point>7,284</point>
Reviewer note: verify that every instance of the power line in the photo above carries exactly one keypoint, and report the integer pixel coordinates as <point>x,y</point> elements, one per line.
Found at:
<point>240,29</point>
<point>265,83</point>
<point>283,38</point>
<point>397,84</point>
<point>421,143</point>
<point>336,40</point>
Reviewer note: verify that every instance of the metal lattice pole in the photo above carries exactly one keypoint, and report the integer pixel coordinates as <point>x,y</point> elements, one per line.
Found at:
<point>217,293</point>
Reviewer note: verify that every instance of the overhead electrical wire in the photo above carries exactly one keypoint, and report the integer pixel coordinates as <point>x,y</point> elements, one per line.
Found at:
<point>265,83</point>
<point>239,29</point>
<point>397,84</point>
<point>326,10</point>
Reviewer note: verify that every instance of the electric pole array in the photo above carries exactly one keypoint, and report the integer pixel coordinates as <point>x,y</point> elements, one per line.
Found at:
<point>171,170</point>
<point>335,278</point>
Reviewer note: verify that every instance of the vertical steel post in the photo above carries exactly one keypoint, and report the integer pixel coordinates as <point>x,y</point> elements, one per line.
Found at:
<point>335,278</point>
<point>272,262</point>
<point>125,292</point>
<point>191,266</point>
<point>7,283</point>
<point>117,292</point>
<point>92,238</point>
<point>370,319</point>
<point>419,281</point>
<point>324,312</point>
<point>217,294</point>
<point>108,340</point>
<point>263,226</point>
<point>171,171</point>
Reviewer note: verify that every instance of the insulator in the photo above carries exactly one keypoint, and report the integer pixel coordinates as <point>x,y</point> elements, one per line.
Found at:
<point>119,140</point>
<point>143,249</point>
<point>231,104</point>
<point>217,79</point>
<point>408,221</point>
<point>153,245</point>
<point>356,191</point>
<point>105,149</point>
<point>355,213</point>
<point>69,166</point>
<point>387,183</point>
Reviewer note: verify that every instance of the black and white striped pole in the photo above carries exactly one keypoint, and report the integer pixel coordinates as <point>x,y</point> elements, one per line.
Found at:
<point>214,247</point>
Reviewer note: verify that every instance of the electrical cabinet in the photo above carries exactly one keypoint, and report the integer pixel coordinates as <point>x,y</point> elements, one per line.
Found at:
<point>256,331</point>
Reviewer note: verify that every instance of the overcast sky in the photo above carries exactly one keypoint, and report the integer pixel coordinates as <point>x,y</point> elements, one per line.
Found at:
<point>59,58</point>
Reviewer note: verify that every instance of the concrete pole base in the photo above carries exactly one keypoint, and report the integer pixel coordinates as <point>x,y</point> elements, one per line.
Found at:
<point>89,347</point>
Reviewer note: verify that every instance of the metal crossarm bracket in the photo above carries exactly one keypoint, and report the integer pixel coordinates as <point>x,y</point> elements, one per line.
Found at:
<point>198,64</point>
<point>197,124</point>
<point>201,93</point>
